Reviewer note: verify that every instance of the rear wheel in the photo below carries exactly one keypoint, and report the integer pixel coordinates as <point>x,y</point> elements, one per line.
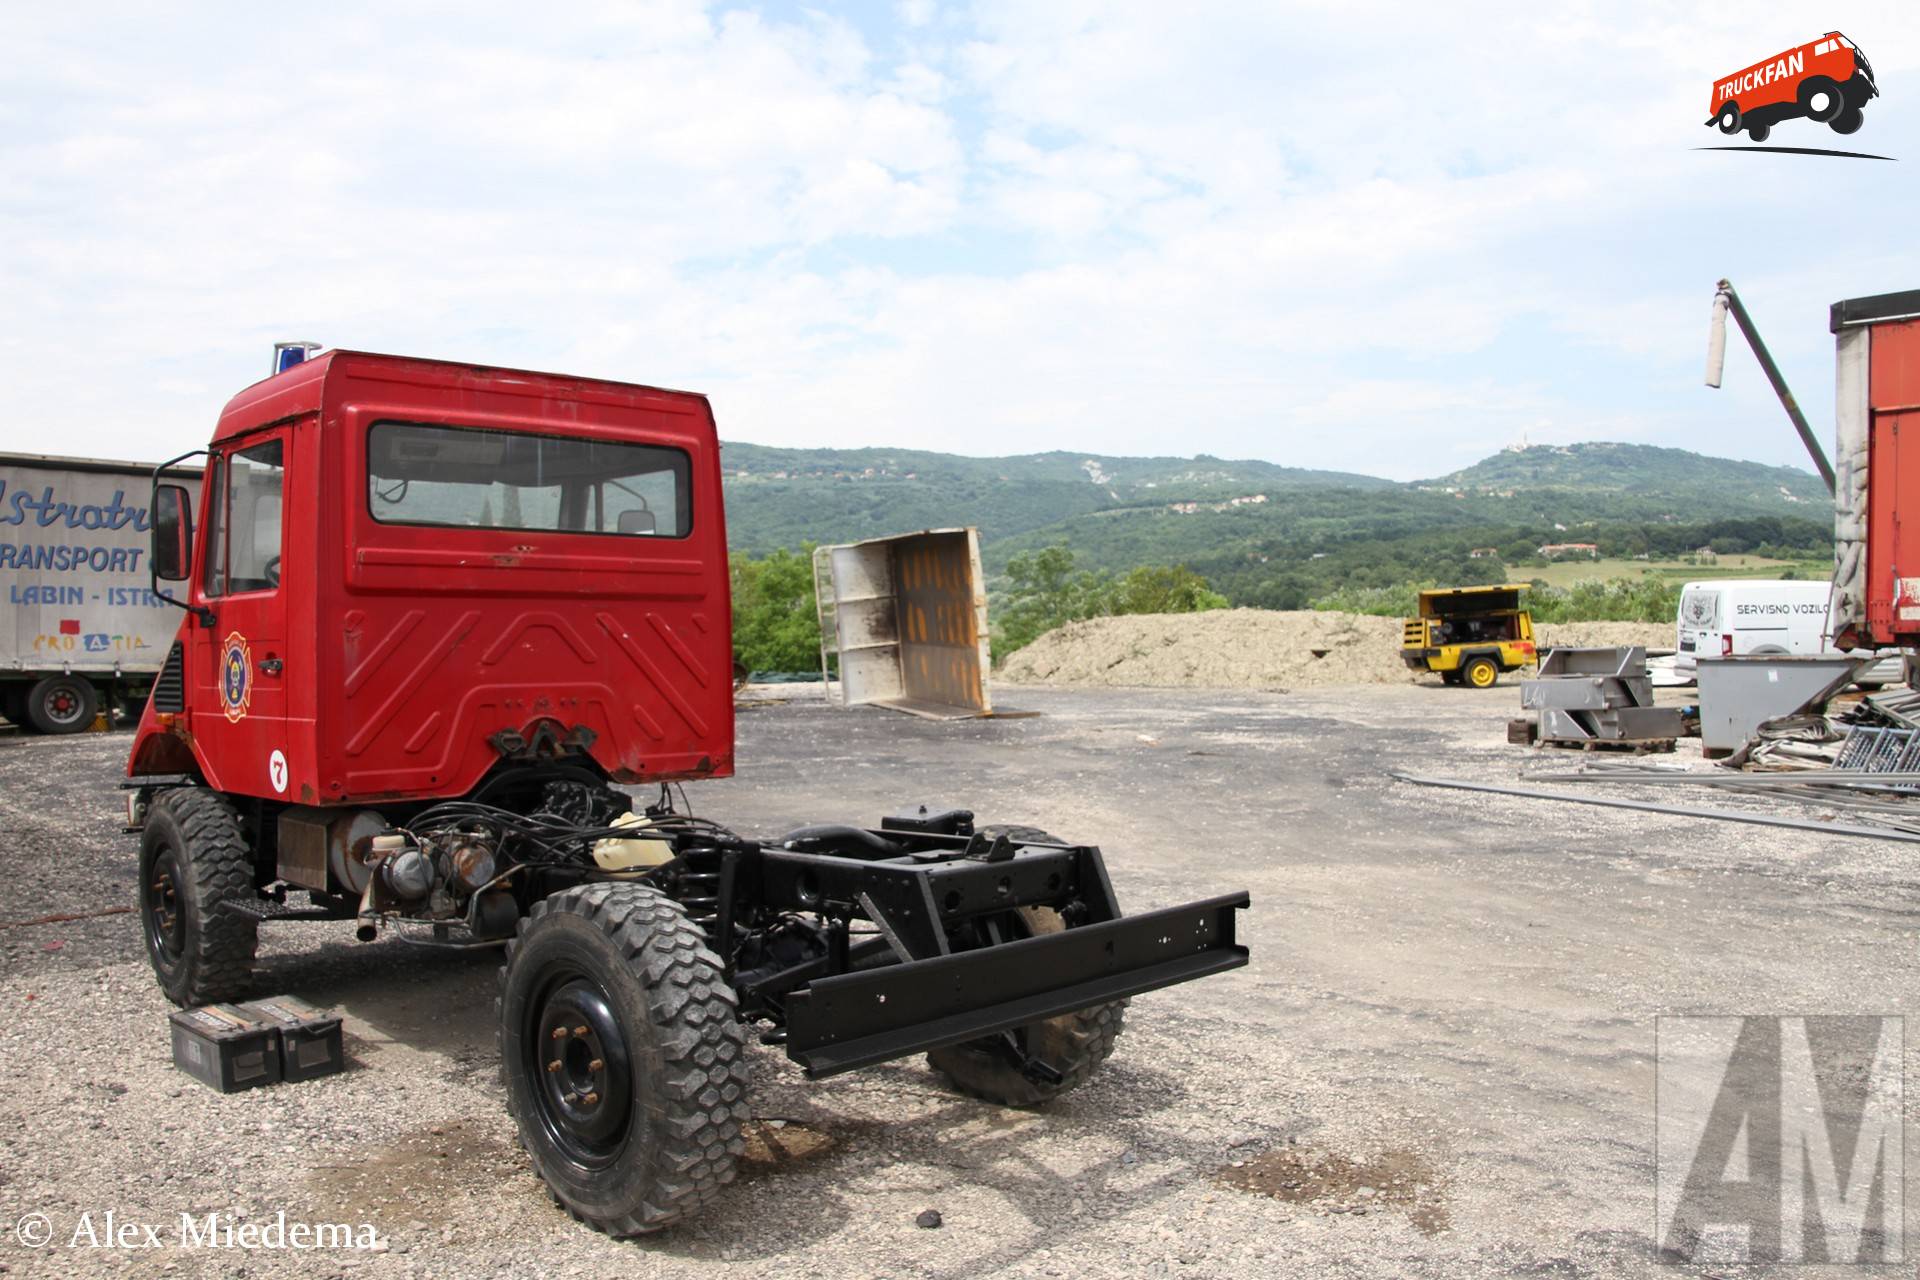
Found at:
<point>1759,132</point>
<point>62,704</point>
<point>1449,677</point>
<point>623,1058</point>
<point>193,861</point>
<point>1066,1050</point>
<point>1481,673</point>
<point>1848,121</point>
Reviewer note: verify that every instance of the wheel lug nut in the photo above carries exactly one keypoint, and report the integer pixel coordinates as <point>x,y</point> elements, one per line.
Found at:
<point>579,1031</point>
<point>591,1099</point>
<point>554,1065</point>
<point>559,1033</point>
<point>596,1065</point>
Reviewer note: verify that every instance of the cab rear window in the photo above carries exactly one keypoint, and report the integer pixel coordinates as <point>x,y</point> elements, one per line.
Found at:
<point>473,478</point>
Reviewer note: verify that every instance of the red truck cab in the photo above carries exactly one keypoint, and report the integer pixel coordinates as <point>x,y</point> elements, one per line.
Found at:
<point>1826,80</point>
<point>406,571</point>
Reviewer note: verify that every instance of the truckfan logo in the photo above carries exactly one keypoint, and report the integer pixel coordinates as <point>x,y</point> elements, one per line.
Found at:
<point>236,676</point>
<point>1827,81</point>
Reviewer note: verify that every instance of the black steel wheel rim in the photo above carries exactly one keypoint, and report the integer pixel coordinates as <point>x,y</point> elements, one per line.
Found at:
<point>163,910</point>
<point>581,1070</point>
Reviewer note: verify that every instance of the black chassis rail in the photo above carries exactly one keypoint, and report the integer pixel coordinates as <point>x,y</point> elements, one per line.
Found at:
<point>859,1019</point>
<point>909,990</point>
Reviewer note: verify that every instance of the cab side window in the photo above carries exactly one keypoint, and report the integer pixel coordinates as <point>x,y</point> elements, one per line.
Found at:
<point>243,524</point>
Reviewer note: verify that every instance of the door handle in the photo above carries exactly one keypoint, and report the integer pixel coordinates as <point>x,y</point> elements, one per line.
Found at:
<point>272,666</point>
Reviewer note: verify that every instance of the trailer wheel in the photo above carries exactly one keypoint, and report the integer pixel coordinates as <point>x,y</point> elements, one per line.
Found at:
<point>1481,673</point>
<point>624,1062</point>
<point>62,704</point>
<point>1729,118</point>
<point>13,705</point>
<point>193,860</point>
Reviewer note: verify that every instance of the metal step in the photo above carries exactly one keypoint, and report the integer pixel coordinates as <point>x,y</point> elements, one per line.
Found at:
<point>264,909</point>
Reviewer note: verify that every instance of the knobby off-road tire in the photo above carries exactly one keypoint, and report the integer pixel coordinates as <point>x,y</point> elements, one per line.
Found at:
<point>1075,1044</point>
<point>192,860</point>
<point>623,1058</point>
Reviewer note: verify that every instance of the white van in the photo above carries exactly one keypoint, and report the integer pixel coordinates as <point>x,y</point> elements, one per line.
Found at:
<point>1734,616</point>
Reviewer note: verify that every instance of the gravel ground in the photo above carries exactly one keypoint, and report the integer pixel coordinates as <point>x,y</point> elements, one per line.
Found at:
<point>1440,1062</point>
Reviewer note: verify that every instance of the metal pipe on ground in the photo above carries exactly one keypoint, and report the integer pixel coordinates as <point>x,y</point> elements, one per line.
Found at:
<point>1672,810</point>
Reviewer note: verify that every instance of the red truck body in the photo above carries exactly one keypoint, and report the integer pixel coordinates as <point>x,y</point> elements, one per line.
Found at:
<point>451,584</point>
<point>1777,79</point>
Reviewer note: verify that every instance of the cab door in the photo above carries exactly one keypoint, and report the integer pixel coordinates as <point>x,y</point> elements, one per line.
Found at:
<point>238,665</point>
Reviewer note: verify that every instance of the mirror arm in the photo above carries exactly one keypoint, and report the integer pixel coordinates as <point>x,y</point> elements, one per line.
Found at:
<point>203,615</point>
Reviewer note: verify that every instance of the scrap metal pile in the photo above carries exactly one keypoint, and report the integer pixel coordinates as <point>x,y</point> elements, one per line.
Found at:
<point>1819,766</point>
<point>1592,697</point>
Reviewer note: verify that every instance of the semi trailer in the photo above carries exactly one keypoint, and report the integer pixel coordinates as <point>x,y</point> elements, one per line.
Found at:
<point>82,631</point>
<point>449,638</point>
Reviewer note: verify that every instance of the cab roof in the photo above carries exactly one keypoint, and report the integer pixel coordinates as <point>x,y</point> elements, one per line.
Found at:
<point>302,388</point>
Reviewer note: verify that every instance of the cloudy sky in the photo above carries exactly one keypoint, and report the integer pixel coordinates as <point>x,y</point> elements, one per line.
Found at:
<point>1388,237</point>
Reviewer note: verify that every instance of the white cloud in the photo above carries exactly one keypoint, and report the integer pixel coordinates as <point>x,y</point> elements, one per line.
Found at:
<point>1370,236</point>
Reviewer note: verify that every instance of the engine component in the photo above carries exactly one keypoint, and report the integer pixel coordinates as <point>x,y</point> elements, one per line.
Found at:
<point>473,867</point>
<point>925,819</point>
<point>407,875</point>
<point>320,845</point>
<point>492,914</point>
<point>574,804</point>
<point>630,853</point>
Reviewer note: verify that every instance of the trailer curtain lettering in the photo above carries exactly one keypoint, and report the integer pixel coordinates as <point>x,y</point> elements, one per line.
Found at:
<point>66,558</point>
<point>44,511</point>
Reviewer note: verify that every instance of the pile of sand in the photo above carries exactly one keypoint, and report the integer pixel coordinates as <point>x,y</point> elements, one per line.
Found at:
<point>1255,648</point>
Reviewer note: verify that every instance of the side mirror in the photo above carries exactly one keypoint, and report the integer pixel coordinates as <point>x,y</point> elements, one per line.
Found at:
<point>172,533</point>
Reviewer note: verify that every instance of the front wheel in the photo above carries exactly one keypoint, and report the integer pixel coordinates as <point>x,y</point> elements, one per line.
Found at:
<point>624,1062</point>
<point>193,862</point>
<point>1729,118</point>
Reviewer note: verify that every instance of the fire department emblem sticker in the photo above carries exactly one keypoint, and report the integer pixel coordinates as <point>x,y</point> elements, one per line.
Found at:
<point>236,676</point>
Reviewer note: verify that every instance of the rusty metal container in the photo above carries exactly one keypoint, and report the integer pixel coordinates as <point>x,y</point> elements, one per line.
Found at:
<point>906,619</point>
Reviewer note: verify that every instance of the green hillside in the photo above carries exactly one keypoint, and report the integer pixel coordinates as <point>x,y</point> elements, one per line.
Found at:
<point>783,497</point>
<point>1633,472</point>
<point>1279,536</point>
